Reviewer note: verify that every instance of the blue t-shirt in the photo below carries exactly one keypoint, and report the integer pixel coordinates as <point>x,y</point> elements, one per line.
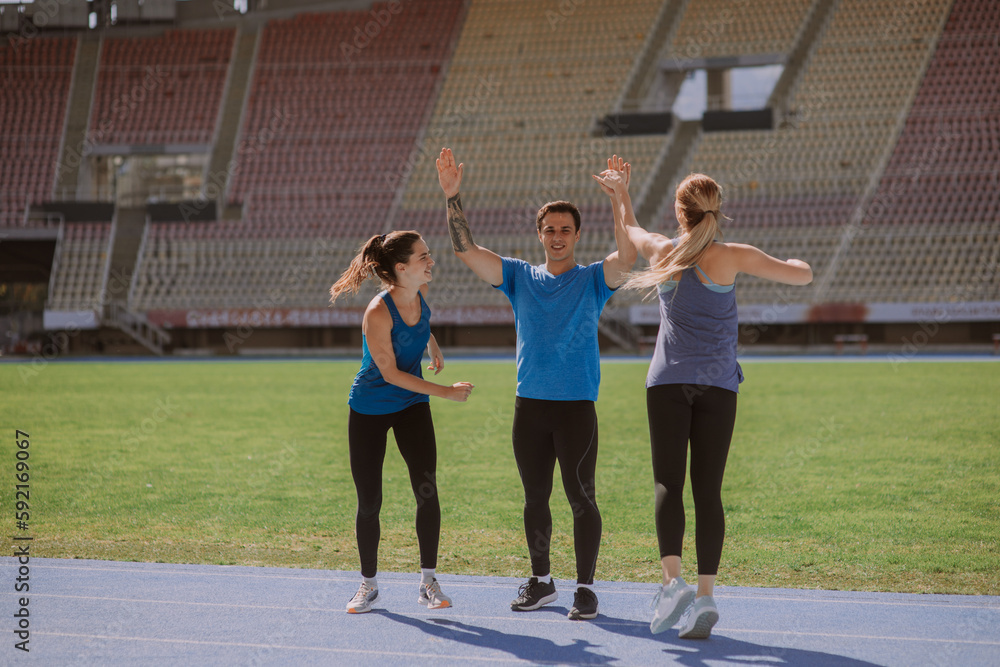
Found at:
<point>370,393</point>
<point>558,358</point>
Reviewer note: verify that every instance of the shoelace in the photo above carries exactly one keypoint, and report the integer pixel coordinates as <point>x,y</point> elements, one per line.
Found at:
<point>656,599</point>
<point>362,593</point>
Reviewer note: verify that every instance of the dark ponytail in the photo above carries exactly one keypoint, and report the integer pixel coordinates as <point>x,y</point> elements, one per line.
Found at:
<point>377,258</point>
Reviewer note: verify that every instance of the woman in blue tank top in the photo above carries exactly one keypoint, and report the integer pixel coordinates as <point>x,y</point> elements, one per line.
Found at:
<point>389,392</point>
<point>692,383</point>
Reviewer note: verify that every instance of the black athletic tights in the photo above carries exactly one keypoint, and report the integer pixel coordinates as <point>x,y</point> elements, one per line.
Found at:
<point>705,416</point>
<point>544,432</point>
<point>414,431</point>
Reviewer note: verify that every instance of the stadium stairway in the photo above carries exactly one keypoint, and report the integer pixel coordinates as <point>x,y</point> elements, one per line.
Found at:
<point>797,59</point>
<point>81,99</point>
<point>669,168</point>
<point>227,127</point>
<point>647,65</point>
<point>128,231</point>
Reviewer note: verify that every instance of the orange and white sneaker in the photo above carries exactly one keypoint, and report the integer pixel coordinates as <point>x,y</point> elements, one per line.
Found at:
<point>432,597</point>
<point>363,600</point>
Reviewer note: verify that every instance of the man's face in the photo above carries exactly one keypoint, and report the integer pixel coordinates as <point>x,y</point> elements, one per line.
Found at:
<point>558,235</point>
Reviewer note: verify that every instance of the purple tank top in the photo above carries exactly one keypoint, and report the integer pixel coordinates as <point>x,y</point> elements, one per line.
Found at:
<point>696,343</point>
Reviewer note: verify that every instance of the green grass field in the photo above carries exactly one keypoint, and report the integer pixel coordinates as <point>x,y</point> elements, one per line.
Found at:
<point>849,476</point>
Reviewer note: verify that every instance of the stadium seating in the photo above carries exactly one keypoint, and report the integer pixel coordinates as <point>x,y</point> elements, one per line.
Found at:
<point>330,124</point>
<point>723,28</point>
<point>348,116</point>
<point>813,171</point>
<point>930,233</point>
<point>161,90</point>
<point>523,95</point>
<point>882,172</point>
<point>80,266</point>
<point>35,78</point>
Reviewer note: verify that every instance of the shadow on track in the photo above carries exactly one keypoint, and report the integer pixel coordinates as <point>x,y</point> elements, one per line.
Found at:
<point>522,647</point>
<point>703,652</point>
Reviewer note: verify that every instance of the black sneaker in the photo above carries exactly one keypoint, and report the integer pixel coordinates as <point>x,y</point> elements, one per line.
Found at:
<point>584,604</point>
<point>534,594</point>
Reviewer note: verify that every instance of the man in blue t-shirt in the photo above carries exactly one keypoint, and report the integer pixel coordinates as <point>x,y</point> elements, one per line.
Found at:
<point>556,307</point>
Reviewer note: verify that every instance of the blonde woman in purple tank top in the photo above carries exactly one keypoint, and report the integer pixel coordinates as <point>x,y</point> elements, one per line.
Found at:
<point>693,381</point>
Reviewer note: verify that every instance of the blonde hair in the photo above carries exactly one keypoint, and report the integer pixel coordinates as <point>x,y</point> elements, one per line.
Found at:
<point>377,258</point>
<point>699,198</point>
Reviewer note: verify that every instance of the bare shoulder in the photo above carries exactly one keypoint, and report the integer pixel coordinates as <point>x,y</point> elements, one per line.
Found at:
<point>733,253</point>
<point>720,263</point>
<point>377,314</point>
<point>656,247</point>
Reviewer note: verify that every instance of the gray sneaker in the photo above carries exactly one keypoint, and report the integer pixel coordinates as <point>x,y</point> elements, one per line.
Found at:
<point>701,617</point>
<point>432,597</point>
<point>363,600</point>
<point>668,605</point>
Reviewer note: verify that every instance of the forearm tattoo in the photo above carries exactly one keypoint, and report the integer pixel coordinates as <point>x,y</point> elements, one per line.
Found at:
<point>461,237</point>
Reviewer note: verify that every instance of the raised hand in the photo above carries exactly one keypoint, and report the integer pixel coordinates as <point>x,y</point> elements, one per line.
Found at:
<point>449,175</point>
<point>616,177</point>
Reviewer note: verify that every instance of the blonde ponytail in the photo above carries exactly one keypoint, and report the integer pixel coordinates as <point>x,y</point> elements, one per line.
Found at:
<point>700,198</point>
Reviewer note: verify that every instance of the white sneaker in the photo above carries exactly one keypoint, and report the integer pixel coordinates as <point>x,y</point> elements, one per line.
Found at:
<point>701,617</point>
<point>363,600</point>
<point>432,597</point>
<point>668,605</point>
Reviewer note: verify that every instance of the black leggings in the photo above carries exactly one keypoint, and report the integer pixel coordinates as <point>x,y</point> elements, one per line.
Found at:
<point>546,431</point>
<point>414,431</point>
<point>705,416</point>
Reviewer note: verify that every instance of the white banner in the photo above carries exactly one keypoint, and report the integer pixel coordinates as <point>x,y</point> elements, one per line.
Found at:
<point>800,313</point>
<point>69,320</point>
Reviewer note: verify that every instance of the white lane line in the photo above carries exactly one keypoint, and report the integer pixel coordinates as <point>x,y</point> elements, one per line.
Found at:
<point>285,647</point>
<point>723,631</point>
<point>532,619</point>
<point>762,597</point>
<point>822,600</point>
<point>182,602</point>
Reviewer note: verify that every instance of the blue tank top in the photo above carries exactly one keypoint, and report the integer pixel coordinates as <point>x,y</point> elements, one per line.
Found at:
<point>696,343</point>
<point>370,393</point>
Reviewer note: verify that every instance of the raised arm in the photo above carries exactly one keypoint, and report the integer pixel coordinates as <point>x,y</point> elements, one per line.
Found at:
<point>756,262</point>
<point>484,263</point>
<point>650,245</point>
<point>614,182</point>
